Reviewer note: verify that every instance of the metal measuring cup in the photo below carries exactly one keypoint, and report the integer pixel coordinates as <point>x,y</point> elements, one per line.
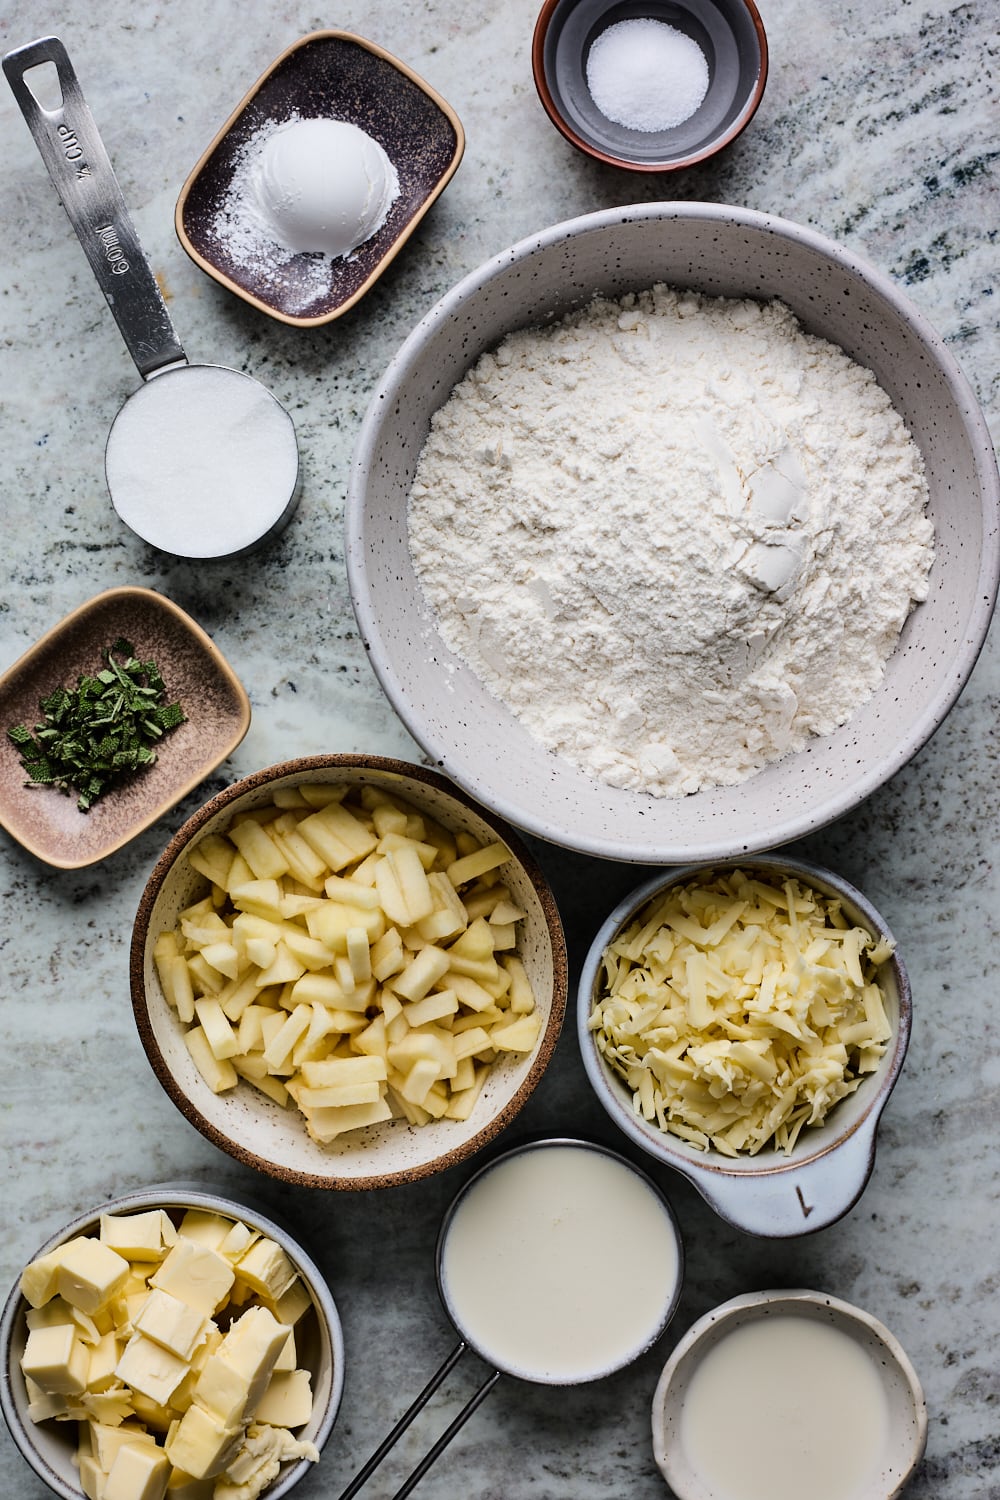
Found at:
<point>471,1338</point>
<point>201,461</point>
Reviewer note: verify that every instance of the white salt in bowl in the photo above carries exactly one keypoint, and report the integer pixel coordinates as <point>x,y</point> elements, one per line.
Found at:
<point>50,1447</point>
<point>720,251</point>
<point>272,1139</point>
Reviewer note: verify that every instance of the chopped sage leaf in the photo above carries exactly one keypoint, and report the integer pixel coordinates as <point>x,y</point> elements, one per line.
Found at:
<point>102,730</point>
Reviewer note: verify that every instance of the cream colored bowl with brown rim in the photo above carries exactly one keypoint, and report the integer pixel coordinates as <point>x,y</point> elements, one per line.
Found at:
<point>274,1140</point>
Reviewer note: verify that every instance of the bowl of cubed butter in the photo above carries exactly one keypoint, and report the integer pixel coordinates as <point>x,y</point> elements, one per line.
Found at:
<point>745,1023</point>
<point>171,1341</point>
<point>347,974</point>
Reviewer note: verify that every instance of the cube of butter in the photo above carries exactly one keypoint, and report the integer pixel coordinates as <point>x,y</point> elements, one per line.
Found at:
<point>140,1472</point>
<point>56,1360</point>
<point>150,1369</point>
<point>195,1274</point>
<point>222,1391</point>
<point>40,1278</point>
<point>105,1441</point>
<point>287,1402</point>
<point>181,1486</point>
<point>103,1359</point>
<point>92,1477</point>
<point>204,1226</point>
<point>266,1268</point>
<point>168,1321</point>
<point>200,1444</point>
<point>252,1346</point>
<point>90,1274</point>
<point>137,1236</point>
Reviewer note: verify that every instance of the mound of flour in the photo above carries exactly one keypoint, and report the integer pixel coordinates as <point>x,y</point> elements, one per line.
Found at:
<point>676,535</point>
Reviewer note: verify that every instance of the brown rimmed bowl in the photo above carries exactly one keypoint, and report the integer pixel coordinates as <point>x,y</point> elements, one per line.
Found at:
<point>325,75</point>
<point>197,676</point>
<point>731,36</point>
<point>273,1140</point>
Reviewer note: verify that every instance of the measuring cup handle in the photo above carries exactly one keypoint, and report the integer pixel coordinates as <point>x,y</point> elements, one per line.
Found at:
<point>388,1443</point>
<point>434,1453</point>
<point>81,170</point>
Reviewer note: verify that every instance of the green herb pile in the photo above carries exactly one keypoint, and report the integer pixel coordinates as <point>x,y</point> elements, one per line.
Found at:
<point>102,730</point>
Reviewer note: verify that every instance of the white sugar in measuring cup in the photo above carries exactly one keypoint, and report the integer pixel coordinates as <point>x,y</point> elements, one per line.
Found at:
<point>558,1263</point>
<point>201,460</point>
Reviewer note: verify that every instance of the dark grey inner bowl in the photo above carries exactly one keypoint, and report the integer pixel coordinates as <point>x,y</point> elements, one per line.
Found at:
<point>723,29</point>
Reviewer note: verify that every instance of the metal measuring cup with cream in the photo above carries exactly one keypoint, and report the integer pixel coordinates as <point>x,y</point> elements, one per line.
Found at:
<point>531,1272</point>
<point>201,461</point>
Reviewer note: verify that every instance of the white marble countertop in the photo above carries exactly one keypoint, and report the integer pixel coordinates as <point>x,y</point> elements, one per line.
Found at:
<point>878,128</point>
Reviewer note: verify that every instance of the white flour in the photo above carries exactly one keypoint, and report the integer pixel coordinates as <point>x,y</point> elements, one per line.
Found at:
<point>674,534</point>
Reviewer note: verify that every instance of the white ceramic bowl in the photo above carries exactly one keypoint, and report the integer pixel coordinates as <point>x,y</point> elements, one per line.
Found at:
<point>907,1411</point>
<point>50,1447</point>
<point>274,1140</point>
<point>771,1194</point>
<point>721,251</point>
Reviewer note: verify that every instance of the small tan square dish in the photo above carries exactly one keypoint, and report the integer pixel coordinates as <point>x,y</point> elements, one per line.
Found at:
<point>196,675</point>
<point>326,76</point>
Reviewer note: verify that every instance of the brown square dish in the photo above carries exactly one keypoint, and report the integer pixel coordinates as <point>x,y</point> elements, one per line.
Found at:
<point>326,75</point>
<point>197,676</point>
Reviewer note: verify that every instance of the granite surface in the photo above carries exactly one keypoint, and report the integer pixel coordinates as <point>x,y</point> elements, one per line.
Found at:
<point>879,128</point>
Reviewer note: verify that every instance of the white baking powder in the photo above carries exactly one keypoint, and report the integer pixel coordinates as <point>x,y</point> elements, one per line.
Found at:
<point>676,535</point>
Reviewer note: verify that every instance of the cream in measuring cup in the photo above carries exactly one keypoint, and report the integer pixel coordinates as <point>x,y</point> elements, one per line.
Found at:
<point>559,1262</point>
<point>201,461</point>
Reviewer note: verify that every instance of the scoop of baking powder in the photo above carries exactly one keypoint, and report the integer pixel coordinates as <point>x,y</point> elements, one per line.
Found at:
<point>322,185</point>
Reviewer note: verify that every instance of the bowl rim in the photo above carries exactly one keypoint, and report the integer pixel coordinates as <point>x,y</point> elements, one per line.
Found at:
<point>175,851</point>
<point>749,108</point>
<point>178,1194</point>
<point>750,1307</point>
<point>220,276</point>
<point>706,1168</point>
<point>827,807</point>
<point>156,603</point>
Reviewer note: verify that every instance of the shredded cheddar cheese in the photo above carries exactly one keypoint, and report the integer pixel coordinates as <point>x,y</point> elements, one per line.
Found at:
<point>739,1010</point>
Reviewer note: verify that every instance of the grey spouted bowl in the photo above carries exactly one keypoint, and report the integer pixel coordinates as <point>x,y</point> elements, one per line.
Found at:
<point>50,1447</point>
<point>719,251</point>
<point>772,1193</point>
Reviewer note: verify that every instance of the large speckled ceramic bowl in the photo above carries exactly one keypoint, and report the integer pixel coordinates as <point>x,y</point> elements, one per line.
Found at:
<point>50,1447</point>
<point>275,1140</point>
<point>330,75</point>
<point>724,251</point>
<point>682,1463</point>
<point>196,675</point>
<point>773,1194</point>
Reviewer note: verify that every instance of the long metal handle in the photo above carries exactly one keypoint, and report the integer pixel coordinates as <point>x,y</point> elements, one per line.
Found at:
<point>81,170</point>
<point>434,1453</point>
<point>388,1443</point>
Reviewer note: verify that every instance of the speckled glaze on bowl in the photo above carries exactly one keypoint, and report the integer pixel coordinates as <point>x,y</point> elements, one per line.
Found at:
<point>907,1409</point>
<point>274,1140</point>
<point>772,1194</point>
<point>720,251</point>
<point>49,1447</point>
<point>197,676</point>
<point>732,39</point>
<point>326,75</point>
